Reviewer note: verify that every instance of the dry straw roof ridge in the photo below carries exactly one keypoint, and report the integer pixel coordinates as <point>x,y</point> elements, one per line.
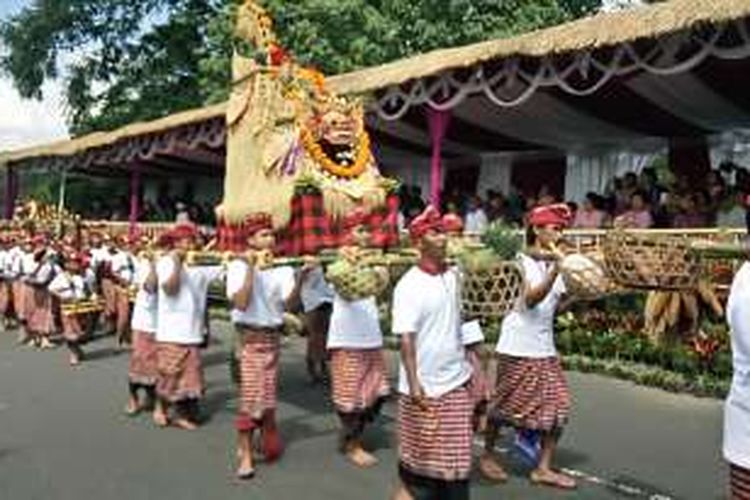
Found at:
<point>597,31</point>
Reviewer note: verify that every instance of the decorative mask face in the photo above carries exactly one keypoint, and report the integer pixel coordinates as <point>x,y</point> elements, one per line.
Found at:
<point>338,129</point>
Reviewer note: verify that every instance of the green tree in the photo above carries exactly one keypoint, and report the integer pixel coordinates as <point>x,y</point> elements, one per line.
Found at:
<point>129,61</point>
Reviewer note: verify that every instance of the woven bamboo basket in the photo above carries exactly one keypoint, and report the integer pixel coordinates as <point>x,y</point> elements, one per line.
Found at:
<point>585,276</point>
<point>489,292</point>
<point>649,261</point>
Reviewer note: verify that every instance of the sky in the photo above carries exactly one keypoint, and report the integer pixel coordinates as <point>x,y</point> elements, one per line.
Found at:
<point>28,122</point>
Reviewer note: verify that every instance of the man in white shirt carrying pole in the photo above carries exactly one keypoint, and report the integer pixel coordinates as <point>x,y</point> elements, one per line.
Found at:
<point>355,341</point>
<point>435,403</point>
<point>259,297</point>
<point>181,314</point>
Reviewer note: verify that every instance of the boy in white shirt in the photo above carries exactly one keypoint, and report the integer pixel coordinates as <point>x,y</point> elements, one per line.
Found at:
<point>435,404</point>
<point>69,286</point>
<point>181,306</point>
<point>122,268</point>
<point>736,448</point>
<point>531,392</point>
<point>355,341</point>
<point>259,297</point>
<point>99,264</point>
<point>19,288</point>
<point>6,297</point>
<point>142,370</point>
<point>39,271</point>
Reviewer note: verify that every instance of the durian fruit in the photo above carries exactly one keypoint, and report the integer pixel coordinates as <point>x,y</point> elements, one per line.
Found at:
<point>355,281</point>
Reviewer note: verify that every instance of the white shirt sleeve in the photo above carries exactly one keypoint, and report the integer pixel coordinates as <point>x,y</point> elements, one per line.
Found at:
<point>405,310</point>
<point>236,272</point>
<point>61,287</point>
<point>287,279</point>
<point>165,268</point>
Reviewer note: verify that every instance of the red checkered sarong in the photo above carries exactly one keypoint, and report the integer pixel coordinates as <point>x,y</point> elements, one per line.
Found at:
<point>143,359</point>
<point>122,311</point>
<point>19,298</point>
<point>39,316</point>
<point>436,443</point>
<point>109,292</point>
<point>179,372</point>
<point>6,299</point>
<point>259,372</point>
<point>530,393</point>
<point>73,327</point>
<point>739,481</point>
<point>358,379</point>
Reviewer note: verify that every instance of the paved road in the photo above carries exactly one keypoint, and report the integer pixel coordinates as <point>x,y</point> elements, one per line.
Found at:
<point>63,436</point>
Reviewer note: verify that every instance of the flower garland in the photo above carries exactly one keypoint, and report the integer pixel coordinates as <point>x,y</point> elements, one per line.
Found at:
<point>361,161</point>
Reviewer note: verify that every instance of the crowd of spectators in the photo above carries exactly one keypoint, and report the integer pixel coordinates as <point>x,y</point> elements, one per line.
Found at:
<point>718,199</point>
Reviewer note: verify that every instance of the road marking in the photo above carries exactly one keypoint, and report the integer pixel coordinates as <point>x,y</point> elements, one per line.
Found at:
<point>618,486</point>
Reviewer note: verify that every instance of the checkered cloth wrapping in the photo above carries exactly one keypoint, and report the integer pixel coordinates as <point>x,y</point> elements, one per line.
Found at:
<point>436,442</point>
<point>143,359</point>
<point>530,393</point>
<point>179,372</point>
<point>739,479</point>
<point>359,379</point>
<point>311,229</point>
<point>259,372</point>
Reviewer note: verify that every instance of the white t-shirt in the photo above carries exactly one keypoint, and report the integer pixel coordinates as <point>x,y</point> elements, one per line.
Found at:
<point>99,256</point>
<point>13,262</point>
<point>354,324</point>
<point>68,286</point>
<point>315,290</point>
<point>528,332</point>
<point>145,310</point>
<point>44,272</point>
<point>4,262</point>
<point>428,305</point>
<point>180,318</point>
<point>271,288</point>
<point>737,407</point>
<point>28,264</point>
<point>123,266</point>
<point>476,221</point>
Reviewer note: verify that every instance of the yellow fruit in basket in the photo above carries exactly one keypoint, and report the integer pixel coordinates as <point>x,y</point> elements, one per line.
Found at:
<point>583,276</point>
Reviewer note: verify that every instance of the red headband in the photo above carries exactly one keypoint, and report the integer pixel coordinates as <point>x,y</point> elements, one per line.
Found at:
<point>452,223</point>
<point>550,215</point>
<point>257,222</point>
<point>177,233</point>
<point>427,221</point>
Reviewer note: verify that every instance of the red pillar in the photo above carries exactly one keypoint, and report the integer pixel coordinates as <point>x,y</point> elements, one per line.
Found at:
<point>438,122</point>
<point>135,200</point>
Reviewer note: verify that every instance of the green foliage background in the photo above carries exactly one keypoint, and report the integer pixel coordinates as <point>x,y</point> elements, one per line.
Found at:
<point>129,61</point>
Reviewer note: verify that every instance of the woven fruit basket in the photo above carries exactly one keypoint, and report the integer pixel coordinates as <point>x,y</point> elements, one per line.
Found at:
<point>491,277</point>
<point>650,262</point>
<point>490,291</point>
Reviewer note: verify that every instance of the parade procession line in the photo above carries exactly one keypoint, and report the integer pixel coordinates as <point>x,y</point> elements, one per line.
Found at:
<point>64,436</point>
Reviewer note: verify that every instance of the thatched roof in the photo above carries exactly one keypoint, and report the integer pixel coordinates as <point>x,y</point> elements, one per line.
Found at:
<point>598,31</point>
